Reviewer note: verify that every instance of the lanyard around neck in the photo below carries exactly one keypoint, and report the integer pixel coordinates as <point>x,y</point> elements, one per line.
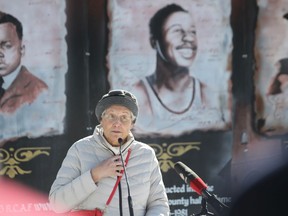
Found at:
<point>118,179</point>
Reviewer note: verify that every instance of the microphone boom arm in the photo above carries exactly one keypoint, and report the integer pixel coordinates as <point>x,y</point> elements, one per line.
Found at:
<point>200,188</point>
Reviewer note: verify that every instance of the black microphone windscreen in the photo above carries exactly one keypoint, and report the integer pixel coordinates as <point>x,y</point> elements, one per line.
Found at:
<point>185,172</point>
<point>190,177</point>
<point>120,141</point>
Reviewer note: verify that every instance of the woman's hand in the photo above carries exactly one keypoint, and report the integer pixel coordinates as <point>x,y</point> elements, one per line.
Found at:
<point>107,168</point>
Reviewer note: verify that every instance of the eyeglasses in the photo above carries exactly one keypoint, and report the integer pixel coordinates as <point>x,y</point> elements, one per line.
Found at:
<point>124,119</point>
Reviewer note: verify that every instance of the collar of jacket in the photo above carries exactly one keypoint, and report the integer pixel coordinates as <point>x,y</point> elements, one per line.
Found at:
<point>100,139</point>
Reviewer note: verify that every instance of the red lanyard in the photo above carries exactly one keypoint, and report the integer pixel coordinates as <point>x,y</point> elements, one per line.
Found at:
<point>118,179</point>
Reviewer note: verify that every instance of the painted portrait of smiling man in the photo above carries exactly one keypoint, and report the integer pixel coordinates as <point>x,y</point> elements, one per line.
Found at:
<point>180,71</point>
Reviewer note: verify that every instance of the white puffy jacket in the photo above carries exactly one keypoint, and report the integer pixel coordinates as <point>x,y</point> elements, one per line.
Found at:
<point>74,189</point>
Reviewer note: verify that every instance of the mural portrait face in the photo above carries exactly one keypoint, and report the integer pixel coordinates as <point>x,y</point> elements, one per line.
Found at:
<point>179,39</point>
<point>11,49</point>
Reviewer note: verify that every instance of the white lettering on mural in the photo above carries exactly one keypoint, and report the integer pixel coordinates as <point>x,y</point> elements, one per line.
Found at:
<point>27,207</point>
<point>175,189</point>
<point>179,212</point>
<point>185,201</point>
<point>181,201</point>
<point>195,201</point>
<point>209,188</point>
<point>185,188</point>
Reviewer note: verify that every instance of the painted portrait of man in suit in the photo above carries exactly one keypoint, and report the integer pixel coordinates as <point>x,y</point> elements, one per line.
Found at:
<point>33,64</point>
<point>19,86</point>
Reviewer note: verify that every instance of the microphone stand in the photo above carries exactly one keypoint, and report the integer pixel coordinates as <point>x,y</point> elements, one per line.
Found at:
<point>130,203</point>
<point>204,211</point>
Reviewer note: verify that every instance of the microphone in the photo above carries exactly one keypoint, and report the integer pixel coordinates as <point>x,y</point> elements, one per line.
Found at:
<point>197,184</point>
<point>130,203</point>
<point>120,141</point>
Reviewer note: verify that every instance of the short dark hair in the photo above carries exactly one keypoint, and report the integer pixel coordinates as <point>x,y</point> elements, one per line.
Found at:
<point>156,22</point>
<point>7,18</point>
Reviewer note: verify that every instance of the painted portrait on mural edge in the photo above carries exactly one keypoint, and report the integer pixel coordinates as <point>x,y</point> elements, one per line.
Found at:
<point>271,79</point>
<point>33,64</point>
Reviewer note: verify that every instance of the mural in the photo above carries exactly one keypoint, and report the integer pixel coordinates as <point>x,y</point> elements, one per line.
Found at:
<point>193,101</point>
<point>180,74</point>
<point>32,68</point>
<point>271,77</point>
<point>175,56</point>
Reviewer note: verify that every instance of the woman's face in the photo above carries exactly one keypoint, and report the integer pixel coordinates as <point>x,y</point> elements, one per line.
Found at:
<point>116,122</point>
<point>179,39</point>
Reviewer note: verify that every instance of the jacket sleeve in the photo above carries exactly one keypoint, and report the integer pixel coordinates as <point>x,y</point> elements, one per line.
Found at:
<point>157,203</point>
<point>70,187</point>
